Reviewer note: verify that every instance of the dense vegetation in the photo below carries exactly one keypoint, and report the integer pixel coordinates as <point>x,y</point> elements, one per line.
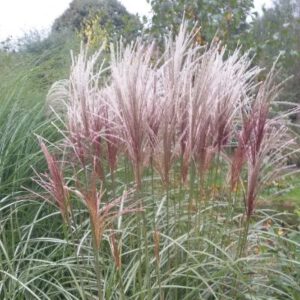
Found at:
<point>160,169</point>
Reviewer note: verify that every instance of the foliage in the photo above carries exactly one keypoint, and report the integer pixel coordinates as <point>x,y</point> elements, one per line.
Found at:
<point>40,61</point>
<point>227,19</point>
<point>22,116</point>
<point>92,33</point>
<point>111,16</point>
<point>276,33</point>
<point>39,262</point>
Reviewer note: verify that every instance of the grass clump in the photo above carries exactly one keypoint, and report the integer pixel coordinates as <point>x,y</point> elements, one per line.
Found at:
<point>161,163</point>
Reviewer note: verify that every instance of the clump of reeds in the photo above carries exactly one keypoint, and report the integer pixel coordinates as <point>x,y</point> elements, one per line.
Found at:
<point>194,106</point>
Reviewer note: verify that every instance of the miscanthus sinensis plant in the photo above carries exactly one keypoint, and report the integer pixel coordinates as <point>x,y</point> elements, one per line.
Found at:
<point>163,160</point>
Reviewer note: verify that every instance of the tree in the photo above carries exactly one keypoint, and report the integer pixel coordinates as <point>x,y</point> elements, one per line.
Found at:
<point>277,33</point>
<point>112,17</point>
<point>226,18</point>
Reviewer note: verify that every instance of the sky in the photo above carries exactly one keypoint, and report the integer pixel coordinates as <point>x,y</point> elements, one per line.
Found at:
<point>20,16</point>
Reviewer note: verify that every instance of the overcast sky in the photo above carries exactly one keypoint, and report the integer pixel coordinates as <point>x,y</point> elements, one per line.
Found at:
<point>20,16</point>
